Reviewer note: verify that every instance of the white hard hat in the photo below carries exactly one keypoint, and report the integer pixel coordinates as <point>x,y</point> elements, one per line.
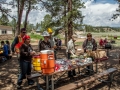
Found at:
<point>45,33</point>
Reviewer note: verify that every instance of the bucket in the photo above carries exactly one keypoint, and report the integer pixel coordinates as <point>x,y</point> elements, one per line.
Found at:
<point>47,61</point>
<point>36,63</point>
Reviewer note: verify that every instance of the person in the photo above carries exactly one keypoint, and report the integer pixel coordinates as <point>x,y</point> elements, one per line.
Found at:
<point>8,45</point>
<point>52,41</point>
<point>26,53</point>
<point>60,43</point>
<point>45,44</point>
<point>9,51</point>
<point>71,50</point>
<point>5,49</point>
<point>105,41</point>
<point>39,44</point>
<point>18,41</point>
<point>101,43</point>
<point>89,44</point>
<point>16,44</point>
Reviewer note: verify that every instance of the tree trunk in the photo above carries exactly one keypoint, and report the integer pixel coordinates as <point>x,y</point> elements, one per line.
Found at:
<point>65,23</point>
<point>20,12</point>
<point>27,12</point>
<point>70,31</point>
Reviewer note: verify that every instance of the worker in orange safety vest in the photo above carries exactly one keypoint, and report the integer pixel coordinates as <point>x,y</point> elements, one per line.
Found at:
<point>16,44</point>
<point>18,41</point>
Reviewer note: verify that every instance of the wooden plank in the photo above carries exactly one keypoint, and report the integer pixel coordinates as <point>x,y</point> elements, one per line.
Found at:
<point>83,82</point>
<point>35,75</point>
<point>71,86</point>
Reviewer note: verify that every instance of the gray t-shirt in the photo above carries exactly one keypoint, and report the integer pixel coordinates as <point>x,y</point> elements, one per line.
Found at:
<point>89,45</point>
<point>52,41</point>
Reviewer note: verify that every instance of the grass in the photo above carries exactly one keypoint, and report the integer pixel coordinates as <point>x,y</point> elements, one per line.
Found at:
<point>79,43</point>
<point>35,36</point>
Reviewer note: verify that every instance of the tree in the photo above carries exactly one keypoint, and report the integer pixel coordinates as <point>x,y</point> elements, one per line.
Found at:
<point>46,23</point>
<point>13,23</point>
<point>65,13</point>
<point>4,20</point>
<point>29,6</point>
<point>117,14</point>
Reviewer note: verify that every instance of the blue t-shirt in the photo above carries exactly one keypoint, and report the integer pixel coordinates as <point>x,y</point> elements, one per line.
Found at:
<point>5,50</point>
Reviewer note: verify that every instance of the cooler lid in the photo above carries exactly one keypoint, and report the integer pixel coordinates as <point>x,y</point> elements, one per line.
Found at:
<point>47,51</point>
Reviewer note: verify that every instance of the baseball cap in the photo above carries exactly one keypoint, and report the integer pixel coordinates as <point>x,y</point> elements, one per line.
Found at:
<point>26,37</point>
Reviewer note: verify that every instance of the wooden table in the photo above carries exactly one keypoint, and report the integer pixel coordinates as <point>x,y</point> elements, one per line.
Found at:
<point>52,74</point>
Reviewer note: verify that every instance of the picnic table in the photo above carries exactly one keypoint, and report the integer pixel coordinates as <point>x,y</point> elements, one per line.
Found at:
<point>51,76</point>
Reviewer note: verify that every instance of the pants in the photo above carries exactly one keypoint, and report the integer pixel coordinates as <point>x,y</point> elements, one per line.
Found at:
<point>72,72</point>
<point>69,55</point>
<point>25,70</point>
<point>90,69</point>
<point>55,52</point>
<point>18,57</point>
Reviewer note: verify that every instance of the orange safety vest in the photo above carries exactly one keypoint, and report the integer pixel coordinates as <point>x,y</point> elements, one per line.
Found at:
<point>18,45</point>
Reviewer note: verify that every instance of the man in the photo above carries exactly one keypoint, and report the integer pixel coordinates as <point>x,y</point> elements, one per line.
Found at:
<point>52,41</point>
<point>16,44</point>
<point>89,45</point>
<point>18,41</point>
<point>71,50</point>
<point>45,44</point>
<point>5,49</point>
<point>26,53</point>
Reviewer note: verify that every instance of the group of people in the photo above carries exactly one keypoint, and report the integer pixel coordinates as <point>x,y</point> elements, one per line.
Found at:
<point>5,51</point>
<point>89,44</point>
<point>21,45</point>
<point>102,42</point>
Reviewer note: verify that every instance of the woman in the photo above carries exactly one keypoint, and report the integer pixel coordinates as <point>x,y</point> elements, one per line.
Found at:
<point>26,53</point>
<point>71,50</point>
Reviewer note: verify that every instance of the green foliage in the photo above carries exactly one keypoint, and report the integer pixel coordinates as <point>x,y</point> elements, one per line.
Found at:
<point>79,43</point>
<point>4,20</point>
<point>61,16</point>
<point>35,36</point>
<point>46,23</point>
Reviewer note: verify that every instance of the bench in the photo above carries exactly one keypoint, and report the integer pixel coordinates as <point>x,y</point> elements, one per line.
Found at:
<point>84,82</point>
<point>36,77</point>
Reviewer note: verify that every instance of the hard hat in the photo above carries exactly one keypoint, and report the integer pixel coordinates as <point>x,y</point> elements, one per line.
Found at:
<point>45,33</point>
<point>26,37</point>
<point>50,30</point>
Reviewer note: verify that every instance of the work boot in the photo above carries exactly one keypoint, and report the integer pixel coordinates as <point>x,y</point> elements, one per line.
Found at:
<point>70,74</point>
<point>31,82</point>
<point>73,72</point>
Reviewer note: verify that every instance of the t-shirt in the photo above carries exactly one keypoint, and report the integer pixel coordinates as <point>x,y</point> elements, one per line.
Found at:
<point>45,45</point>
<point>89,45</point>
<point>5,50</point>
<point>52,41</point>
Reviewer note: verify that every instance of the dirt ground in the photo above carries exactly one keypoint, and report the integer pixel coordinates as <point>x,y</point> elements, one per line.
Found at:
<point>9,73</point>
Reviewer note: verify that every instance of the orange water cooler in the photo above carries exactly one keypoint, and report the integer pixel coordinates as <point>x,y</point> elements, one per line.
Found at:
<point>47,61</point>
<point>36,63</point>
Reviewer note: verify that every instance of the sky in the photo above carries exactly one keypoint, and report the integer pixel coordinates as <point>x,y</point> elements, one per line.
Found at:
<point>97,13</point>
